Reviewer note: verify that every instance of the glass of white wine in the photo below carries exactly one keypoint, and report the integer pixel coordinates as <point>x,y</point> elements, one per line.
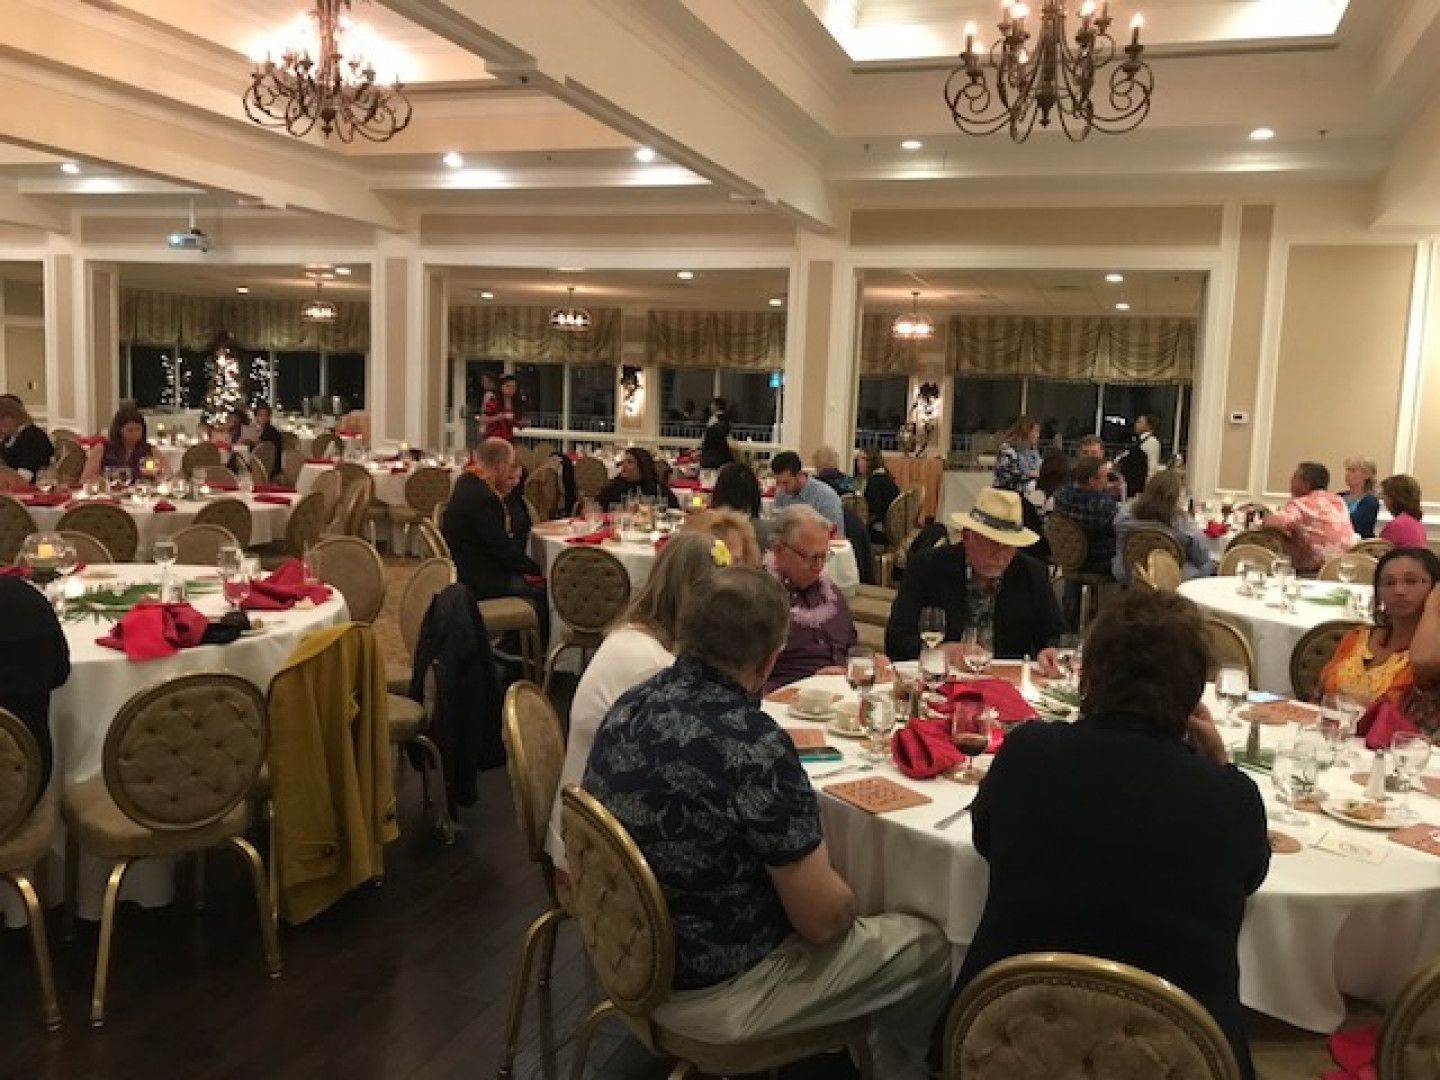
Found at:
<point>1412,753</point>
<point>1232,685</point>
<point>978,648</point>
<point>932,626</point>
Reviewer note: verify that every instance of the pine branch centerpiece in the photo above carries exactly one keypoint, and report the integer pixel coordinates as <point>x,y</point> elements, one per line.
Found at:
<point>110,602</point>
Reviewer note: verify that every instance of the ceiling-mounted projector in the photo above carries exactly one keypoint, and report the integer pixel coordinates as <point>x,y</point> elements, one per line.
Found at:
<point>191,238</point>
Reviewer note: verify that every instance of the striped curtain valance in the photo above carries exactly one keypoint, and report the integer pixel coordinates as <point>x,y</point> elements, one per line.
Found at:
<point>523,332</point>
<point>881,352</point>
<point>749,340</point>
<point>166,319</point>
<point>1145,350</point>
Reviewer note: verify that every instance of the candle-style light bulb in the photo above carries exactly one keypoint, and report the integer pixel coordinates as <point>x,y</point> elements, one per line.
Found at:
<point>1019,11</point>
<point>1087,9</point>
<point>969,38</point>
<point>1136,25</point>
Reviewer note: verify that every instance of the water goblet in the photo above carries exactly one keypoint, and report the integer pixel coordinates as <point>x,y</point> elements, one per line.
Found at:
<point>879,712</point>
<point>1242,577</point>
<point>1412,753</point>
<point>931,625</point>
<point>1232,684</point>
<point>977,647</point>
<point>164,553</point>
<point>1286,767</point>
<point>860,668</point>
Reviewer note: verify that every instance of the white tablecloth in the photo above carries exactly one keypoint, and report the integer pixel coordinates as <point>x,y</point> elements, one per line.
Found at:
<point>1273,632</point>
<point>389,486</point>
<point>267,520</point>
<point>1322,925</point>
<point>102,680</point>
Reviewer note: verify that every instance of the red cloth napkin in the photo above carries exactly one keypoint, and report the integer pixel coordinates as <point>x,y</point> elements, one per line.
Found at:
<point>274,489</point>
<point>534,579</point>
<point>319,461</point>
<point>685,485</point>
<point>14,570</point>
<point>685,458</point>
<point>1382,721</point>
<point>964,702</point>
<point>163,506</point>
<point>90,440</point>
<point>46,498</point>
<point>1354,1052</point>
<point>923,749</point>
<point>599,536</point>
<point>273,500</point>
<point>346,434</point>
<point>149,631</point>
<point>222,485</point>
<point>1216,529</point>
<point>283,588</point>
<point>661,541</point>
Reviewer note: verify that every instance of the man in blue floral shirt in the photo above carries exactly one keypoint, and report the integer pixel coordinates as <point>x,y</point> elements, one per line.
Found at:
<point>711,790</point>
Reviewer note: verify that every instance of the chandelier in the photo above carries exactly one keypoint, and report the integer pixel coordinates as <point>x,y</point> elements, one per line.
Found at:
<point>318,310</point>
<point>1041,75</point>
<point>325,74</point>
<point>912,326</point>
<point>570,319</point>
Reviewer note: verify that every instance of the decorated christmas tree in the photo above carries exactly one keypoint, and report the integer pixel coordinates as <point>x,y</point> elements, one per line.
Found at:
<point>227,388</point>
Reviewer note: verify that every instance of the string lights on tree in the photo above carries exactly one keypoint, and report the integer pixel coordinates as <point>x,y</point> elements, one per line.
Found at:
<point>226,392</point>
<point>177,381</point>
<point>262,371</point>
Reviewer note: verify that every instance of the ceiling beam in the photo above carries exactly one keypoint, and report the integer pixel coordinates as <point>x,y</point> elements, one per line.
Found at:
<point>619,63</point>
<point>18,209</point>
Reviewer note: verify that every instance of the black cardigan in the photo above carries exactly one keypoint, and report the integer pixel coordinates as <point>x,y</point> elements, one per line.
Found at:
<point>30,450</point>
<point>486,557</point>
<point>880,491</point>
<point>34,659</point>
<point>1106,839</point>
<point>1027,618</point>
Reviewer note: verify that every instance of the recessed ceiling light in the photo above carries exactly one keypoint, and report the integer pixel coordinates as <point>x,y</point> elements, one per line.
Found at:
<point>70,168</point>
<point>242,290</point>
<point>1122,306</point>
<point>343,271</point>
<point>685,275</point>
<point>453,159</point>
<point>570,269</point>
<point>911,144</point>
<point>1261,134</point>
<point>1115,279</point>
<point>776,301</point>
<point>645,155</point>
<point>486,294</point>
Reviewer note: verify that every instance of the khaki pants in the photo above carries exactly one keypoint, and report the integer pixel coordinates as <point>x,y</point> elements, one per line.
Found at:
<point>894,967</point>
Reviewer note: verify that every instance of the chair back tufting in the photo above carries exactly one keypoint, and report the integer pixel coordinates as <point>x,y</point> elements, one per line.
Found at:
<point>1363,565</point>
<point>88,550</point>
<point>1409,1046</point>
<point>590,476</point>
<point>1068,546</point>
<point>534,756</point>
<point>199,545</point>
<point>1253,554</point>
<point>1312,652</point>
<point>183,754</point>
<point>20,769</point>
<point>198,457</point>
<point>1229,647</point>
<point>430,578</point>
<point>354,567</point>
<point>15,525</point>
<point>427,487</point>
<point>589,588</point>
<point>111,525</point>
<point>230,514</point>
<point>1139,543</point>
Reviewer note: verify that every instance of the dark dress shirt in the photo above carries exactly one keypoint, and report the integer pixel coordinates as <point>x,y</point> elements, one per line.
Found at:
<point>34,658</point>
<point>29,450</point>
<point>475,526</point>
<point>1108,839</point>
<point>1027,618</point>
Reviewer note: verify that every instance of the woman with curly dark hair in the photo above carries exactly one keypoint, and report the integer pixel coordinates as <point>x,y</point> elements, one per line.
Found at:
<point>637,477</point>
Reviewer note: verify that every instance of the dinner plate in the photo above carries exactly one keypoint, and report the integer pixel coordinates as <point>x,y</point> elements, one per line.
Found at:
<point>813,715</point>
<point>834,727</point>
<point>1335,809</point>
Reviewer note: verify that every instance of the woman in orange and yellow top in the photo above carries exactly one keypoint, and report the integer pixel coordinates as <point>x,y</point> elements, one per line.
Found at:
<point>1374,662</point>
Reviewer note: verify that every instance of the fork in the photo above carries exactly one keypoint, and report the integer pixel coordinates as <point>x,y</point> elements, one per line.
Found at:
<point>946,822</point>
<point>827,774</point>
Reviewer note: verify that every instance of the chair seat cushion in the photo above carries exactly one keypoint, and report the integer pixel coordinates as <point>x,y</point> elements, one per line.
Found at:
<point>101,828</point>
<point>508,613</point>
<point>407,718</point>
<point>30,843</point>
<point>405,515</point>
<point>397,678</point>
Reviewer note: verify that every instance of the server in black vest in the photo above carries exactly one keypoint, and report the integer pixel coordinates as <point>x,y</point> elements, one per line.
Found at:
<point>23,446</point>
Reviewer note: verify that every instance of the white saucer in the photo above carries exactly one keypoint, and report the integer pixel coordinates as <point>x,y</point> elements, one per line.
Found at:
<point>817,716</point>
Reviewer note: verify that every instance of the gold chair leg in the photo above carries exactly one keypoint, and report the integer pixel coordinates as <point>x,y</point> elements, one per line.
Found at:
<point>531,647</point>
<point>274,885</point>
<point>36,914</point>
<point>556,651</point>
<point>199,881</point>
<point>269,938</point>
<point>522,986</point>
<point>860,1054</point>
<point>107,934</point>
<point>72,886</point>
<point>585,1034</point>
<point>547,951</point>
<point>680,1071</point>
<point>434,765</point>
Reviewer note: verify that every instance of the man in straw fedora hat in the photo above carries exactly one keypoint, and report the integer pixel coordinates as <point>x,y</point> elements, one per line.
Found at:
<point>985,582</point>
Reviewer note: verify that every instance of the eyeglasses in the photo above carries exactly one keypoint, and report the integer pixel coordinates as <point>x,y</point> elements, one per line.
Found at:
<point>813,560</point>
<point>1408,581</point>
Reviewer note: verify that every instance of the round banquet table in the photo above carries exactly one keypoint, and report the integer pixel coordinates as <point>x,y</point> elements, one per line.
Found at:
<point>102,680</point>
<point>1273,632</point>
<point>267,519</point>
<point>1320,927</point>
<point>548,540</point>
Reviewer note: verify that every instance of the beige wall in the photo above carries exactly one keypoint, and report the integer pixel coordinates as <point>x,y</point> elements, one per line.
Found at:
<point>25,363</point>
<point>816,358</point>
<point>24,299</point>
<point>1426,467</point>
<point>1252,265</point>
<point>397,300</point>
<point>1086,226</point>
<point>1341,356</point>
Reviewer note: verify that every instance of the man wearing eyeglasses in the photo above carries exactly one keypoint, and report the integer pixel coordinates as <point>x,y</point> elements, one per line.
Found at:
<point>822,630</point>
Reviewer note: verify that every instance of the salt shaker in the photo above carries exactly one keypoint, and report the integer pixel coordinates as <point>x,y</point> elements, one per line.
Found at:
<point>1375,785</point>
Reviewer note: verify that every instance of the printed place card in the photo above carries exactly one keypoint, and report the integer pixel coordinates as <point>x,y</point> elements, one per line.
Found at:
<point>1348,847</point>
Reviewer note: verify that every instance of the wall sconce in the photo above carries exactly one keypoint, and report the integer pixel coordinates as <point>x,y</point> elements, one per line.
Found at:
<point>632,392</point>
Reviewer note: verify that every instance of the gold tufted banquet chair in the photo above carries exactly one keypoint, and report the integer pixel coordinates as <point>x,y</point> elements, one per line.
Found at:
<point>328,485</point>
<point>198,457</point>
<point>199,545</point>
<point>28,817</point>
<point>1269,539</point>
<point>1375,547</point>
<point>291,462</point>
<point>630,940</point>
<point>230,514</point>
<point>507,614</point>
<point>1229,647</point>
<point>432,543</point>
<point>354,568</point>
<point>900,524</point>
<point>15,525</point>
<point>534,757</point>
<point>69,464</point>
<point>1139,543</point>
<point>1068,550</point>
<point>429,579</point>
<point>543,490</point>
<point>1159,571</point>
<point>289,441</point>
<point>1312,652</point>
<point>88,550</point>
<point>425,488</point>
<point>326,444</point>
<point>1409,1046</point>
<point>265,454</point>
<point>1363,566</point>
<point>179,760</point>
<point>220,477</point>
<point>257,472</point>
<point>302,531</point>
<point>1061,1014</point>
<point>590,476</point>
<point>589,589</point>
<point>1253,554</point>
<point>355,508</point>
<point>111,525</point>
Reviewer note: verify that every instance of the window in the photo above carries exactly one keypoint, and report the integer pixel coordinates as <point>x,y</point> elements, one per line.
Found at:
<point>983,406</point>
<point>1124,403</point>
<point>753,401</point>
<point>592,397</point>
<point>297,377</point>
<point>542,387</point>
<point>1066,409</point>
<point>345,379</point>
<point>882,406</point>
<point>149,383</point>
<point>685,395</point>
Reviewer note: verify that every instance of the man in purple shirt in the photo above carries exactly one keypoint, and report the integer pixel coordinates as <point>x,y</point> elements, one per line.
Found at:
<point>821,628</point>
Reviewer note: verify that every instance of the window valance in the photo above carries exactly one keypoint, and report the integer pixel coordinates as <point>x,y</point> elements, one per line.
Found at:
<point>750,340</point>
<point>523,332</point>
<point>1147,350</point>
<point>194,322</point>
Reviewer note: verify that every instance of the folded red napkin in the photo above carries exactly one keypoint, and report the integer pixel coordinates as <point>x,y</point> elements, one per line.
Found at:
<point>923,749</point>
<point>163,506</point>
<point>1383,720</point>
<point>223,485</point>
<point>319,461</point>
<point>273,500</point>
<point>90,440</point>
<point>1354,1052</point>
<point>46,498</point>
<point>661,541</point>
<point>274,489</point>
<point>283,588</point>
<point>149,631</point>
<point>965,701</point>
<point>14,570</point>
<point>599,536</point>
<point>223,444</point>
<point>1216,529</point>
<point>685,485</point>
<point>347,434</point>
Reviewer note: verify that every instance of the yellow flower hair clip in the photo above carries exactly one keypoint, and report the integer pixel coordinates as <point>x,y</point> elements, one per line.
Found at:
<point>720,553</point>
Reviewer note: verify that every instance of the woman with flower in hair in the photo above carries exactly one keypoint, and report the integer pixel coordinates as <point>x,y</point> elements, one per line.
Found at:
<point>640,644</point>
<point>822,630</point>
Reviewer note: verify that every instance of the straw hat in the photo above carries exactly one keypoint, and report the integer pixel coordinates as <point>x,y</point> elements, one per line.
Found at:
<point>997,515</point>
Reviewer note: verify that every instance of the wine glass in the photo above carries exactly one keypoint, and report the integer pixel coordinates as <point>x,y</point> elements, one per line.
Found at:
<point>860,668</point>
<point>67,559</point>
<point>879,713</point>
<point>1316,744</point>
<point>230,559</point>
<point>45,479</point>
<point>235,581</point>
<point>1242,577</point>
<point>1287,770</point>
<point>1412,754</point>
<point>165,553</point>
<point>594,516</point>
<point>1067,657</point>
<point>1339,716</point>
<point>978,648</point>
<point>932,626</point>
<point>1232,684</point>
